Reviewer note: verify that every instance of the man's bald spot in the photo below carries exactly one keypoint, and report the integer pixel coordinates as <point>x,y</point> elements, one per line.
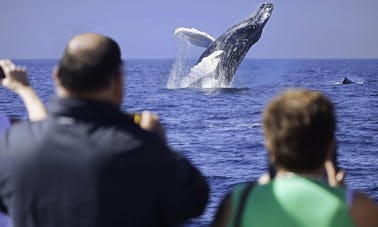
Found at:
<point>87,46</point>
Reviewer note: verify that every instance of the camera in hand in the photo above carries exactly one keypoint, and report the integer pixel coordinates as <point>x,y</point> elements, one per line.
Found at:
<point>137,118</point>
<point>2,74</point>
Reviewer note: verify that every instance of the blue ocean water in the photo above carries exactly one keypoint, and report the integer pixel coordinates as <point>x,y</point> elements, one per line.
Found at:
<point>219,130</point>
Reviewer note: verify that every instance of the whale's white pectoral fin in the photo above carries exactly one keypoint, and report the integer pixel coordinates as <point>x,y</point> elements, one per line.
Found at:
<point>206,68</point>
<point>194,36</point>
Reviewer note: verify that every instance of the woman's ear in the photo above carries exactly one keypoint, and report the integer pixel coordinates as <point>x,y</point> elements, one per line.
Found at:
<point>331,149</point>
<point>268,148</point>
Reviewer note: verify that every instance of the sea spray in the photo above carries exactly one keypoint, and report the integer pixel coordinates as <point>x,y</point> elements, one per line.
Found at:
<point>181,65</point>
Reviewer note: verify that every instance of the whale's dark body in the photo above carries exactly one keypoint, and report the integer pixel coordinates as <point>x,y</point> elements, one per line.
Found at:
<point>235,43</point>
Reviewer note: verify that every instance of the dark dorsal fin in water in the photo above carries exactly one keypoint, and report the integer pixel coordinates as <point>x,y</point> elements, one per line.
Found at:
<point>347,81</point>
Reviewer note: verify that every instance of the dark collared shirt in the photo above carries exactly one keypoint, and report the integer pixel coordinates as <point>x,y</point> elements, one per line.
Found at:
<point>88,164</point>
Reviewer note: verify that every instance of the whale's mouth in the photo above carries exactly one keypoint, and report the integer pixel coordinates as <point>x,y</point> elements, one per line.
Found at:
<point>267,12</point>
<point>256,21</point>
<point>263,14</point>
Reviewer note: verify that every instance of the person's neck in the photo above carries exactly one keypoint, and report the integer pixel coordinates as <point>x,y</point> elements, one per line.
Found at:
<point>98,96</point>
<point>317,173</point>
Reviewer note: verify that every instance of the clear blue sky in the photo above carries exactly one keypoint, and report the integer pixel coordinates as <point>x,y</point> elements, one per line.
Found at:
<point>297,28</point>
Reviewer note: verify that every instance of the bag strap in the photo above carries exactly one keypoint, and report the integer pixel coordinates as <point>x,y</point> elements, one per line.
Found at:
<point>242,202</point>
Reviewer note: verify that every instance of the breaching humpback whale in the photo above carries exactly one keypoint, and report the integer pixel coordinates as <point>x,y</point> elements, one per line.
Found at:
<point>223,55</point>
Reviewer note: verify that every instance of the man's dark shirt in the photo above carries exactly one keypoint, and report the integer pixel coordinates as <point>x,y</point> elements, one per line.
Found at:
<point>88,164</point>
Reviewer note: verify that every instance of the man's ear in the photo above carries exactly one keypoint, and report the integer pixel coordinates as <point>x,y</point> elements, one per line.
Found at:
<point>55,76</point>
<point>118,89</point>
<point>60,90</point>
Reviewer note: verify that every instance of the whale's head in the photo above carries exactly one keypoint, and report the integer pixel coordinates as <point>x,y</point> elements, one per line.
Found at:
<point>249,31</point>
<point>262,15</point>
<point>237,40</point>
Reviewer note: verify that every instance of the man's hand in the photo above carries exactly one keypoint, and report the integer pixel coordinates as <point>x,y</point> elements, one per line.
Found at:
<point>15,76</point>
<point>16,80</point>
<point>150,122</point>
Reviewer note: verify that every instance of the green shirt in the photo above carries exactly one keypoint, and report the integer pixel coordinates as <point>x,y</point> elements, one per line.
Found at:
<point>293,201</point>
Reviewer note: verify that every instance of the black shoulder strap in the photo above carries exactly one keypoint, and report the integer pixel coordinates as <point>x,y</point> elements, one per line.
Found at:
<point>243,200</point>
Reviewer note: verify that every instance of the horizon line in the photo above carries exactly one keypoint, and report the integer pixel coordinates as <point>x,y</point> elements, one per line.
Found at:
<point>163,58</point>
